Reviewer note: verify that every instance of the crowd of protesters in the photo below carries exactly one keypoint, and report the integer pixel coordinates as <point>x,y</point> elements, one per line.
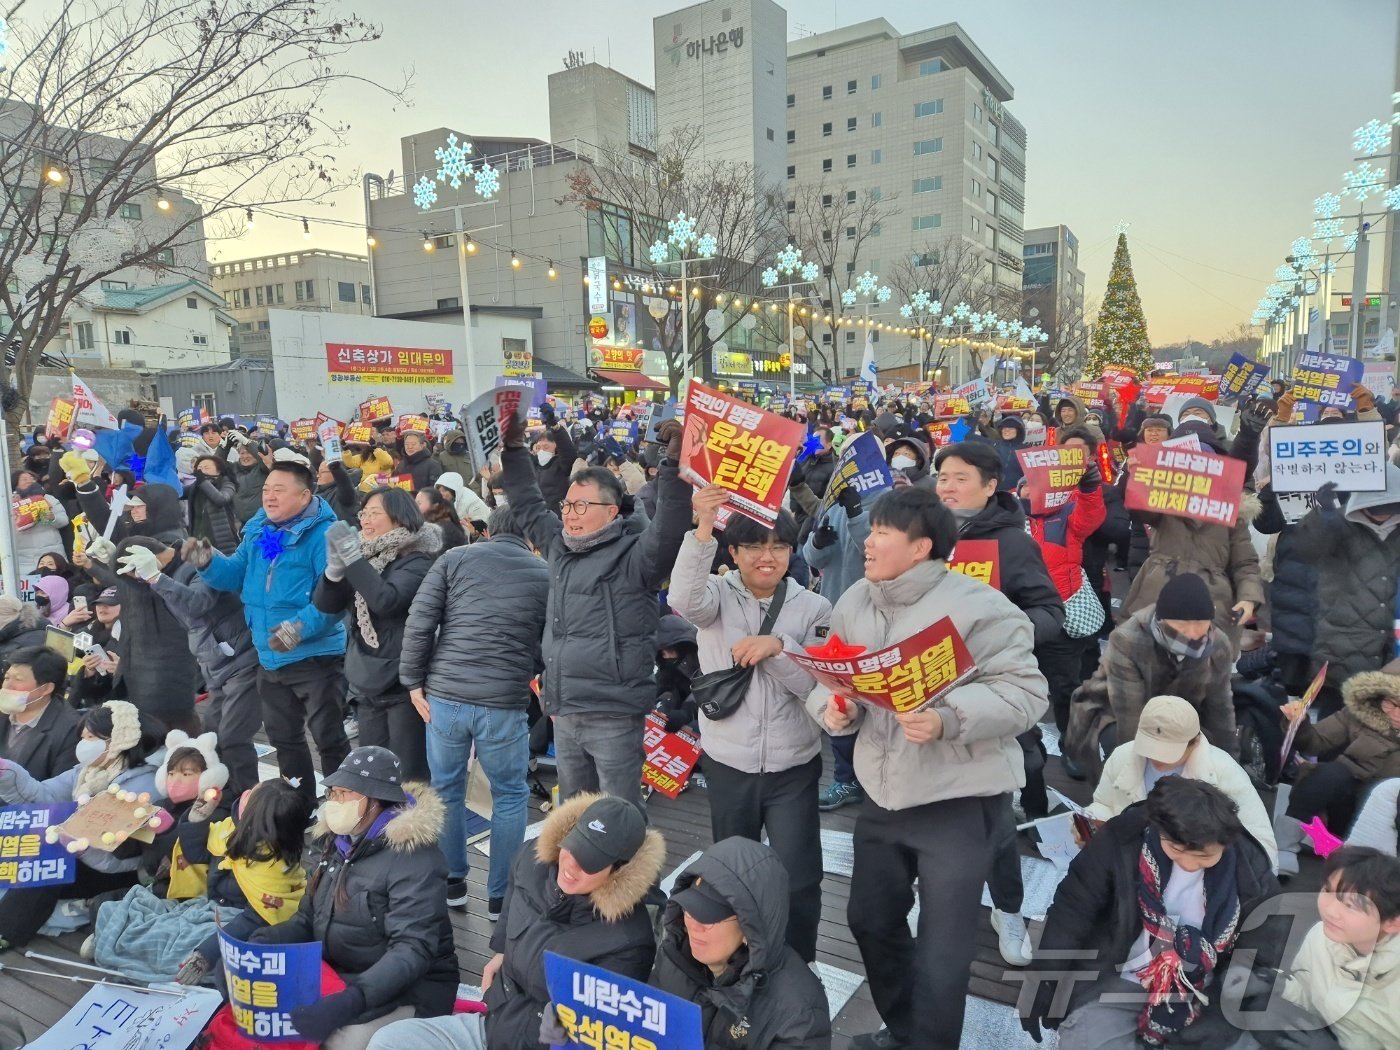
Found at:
<point>418,614</point>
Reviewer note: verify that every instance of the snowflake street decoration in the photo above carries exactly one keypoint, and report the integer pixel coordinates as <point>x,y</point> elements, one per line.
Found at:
<point>1276,291</point>
<point>811,271</point>
<point>1326,206</point>
<point>1329,267</point>
<point>1310,288</point>
<point>4,42</point>
<point>1003,329</point>
<point>882,295</point>
<point>682,229</point>
<point>1365,180</point>
<point>1285,273</point>
<point>1371,138</point>
<point>906,311</point>
<point>424,193</point>
<point>488,181</point>
<point>866,282</point>
<point>789,259</point>
<point>921,300</point>
<point>770,277</point>
<point>1392,199</point>
<point>961,310</point>
<point>660,252</point>
<point>1327,229</point>
<point>453,158</point>
<point>848,297</point>
<point>1349,245</point>
<point>706,246</point>
<point>1301,248</point>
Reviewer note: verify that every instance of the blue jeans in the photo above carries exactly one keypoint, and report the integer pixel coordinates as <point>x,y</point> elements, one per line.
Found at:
<point>502,744</point>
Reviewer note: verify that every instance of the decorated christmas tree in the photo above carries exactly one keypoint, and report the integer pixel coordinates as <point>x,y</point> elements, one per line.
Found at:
<point>1120,337</point>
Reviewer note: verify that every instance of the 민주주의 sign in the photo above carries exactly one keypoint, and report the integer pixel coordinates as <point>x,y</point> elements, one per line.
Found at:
<point>604,1010</point>
<point>1304,458</point>
<point>266,982</point>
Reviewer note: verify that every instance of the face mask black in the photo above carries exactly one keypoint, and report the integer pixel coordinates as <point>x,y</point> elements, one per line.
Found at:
<point>457,448</point>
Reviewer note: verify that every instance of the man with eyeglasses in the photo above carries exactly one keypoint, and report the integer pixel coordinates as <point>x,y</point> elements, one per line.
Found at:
<point>600,625</point>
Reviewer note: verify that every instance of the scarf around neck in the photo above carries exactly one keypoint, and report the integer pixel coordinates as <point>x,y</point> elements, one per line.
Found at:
<point>1176,977</point>
<point>589,540</point>
<point>1178,646</point>
<point>379,552</point>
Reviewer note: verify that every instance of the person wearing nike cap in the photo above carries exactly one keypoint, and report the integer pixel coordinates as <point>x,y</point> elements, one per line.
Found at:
<point>581,893</point>
<point>1169,743</point>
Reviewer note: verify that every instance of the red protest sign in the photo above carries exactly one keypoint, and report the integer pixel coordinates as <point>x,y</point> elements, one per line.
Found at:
<point>980,559</point>
<point>1051,475</point>
<point>948,406</point>
<point>1090,393</point>
<point>1159,390</point>
<point>1012,403</point>
<point>748,451</point>
<point>413,425</point>
<point>303,429</point>
<point>1185,484</point>
<point>671,757</point>
<point>61,410</point>
<point>28,511</point>
<point>939,434</point>
<point>375,409</point>
<point>904,677</point>
<point>357,433</point>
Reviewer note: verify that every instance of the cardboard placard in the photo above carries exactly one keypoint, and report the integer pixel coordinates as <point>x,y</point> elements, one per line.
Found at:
<point>124,1017</point>
<point>357,433</point>
<point>862,466</point>
<point>907,676</point>
<point>27,857</point>
<point>266,982</point>
<point>413,425</point>
<point>1325,381</point>
<point>1052,475</point>
<point>746,450</point>
<point>599,1008</point>
<point>671,757</point>
<point>486,420</point>
<point>60,421</point>
<point>28,511</point>
<point>1243,376</point>
<point>374,409</point>
<point>1185,484</point>
<point>1304,457</point>
<point>980,559</point>
<point>303,429</point>
<point>107,820</point>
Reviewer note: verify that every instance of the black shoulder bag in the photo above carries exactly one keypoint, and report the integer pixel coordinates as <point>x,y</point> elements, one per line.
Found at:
<point>718,694</point>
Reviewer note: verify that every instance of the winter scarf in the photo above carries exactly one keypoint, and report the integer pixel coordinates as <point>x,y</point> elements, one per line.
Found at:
<point>585,543</point>
<point>126,733</point>
<point>379,552</point>
<point>1175,977</point>
<point>1181,648</point>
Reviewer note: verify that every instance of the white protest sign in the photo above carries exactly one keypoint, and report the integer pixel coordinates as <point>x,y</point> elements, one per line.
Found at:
<point>87,409</point>
<point>1306,456</point>
<point>328,434</point>
<point>119,501</point>
<point>486,417</point>
<point>120,1018</point>
<point>1190,441</point>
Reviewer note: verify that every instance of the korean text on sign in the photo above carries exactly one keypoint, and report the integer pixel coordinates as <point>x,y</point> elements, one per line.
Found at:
<point>861,466</point>
<point>1052,475</point>
<point>604,1010</point>
<point>349,363</point>
<point>746,450</point>
<point>670,757</point>
<point>266,982</point>
<point>1185,484</point>
<point>1351,455</point>
<point>1325,381</point>
<point>486,419</point>
<point>1242,377</point>
<point>908,676</point>
<point>27,858</point>
<point>980,559</point>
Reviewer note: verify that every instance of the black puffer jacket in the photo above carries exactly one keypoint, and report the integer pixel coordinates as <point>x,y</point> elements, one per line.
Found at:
<point>608,928</point>
<point>424,469</point>
<point>473,631</point>
<point>212,515</point>
<point>213,621</point>
<point>1011,471</point>
<point>1293,592</point>
<point>554,476</point>
<point>1356,571</point>
<point>379,909</point>
<point>247,501</point>
<point>1024,578</point>
<point>600,630</point>
<point>164,515</point>
<point>372,671</point>
<point>1095,918</point>
<point>767,993</point>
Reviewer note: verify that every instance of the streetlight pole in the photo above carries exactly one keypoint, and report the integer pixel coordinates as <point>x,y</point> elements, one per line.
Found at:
<point>682,237</point>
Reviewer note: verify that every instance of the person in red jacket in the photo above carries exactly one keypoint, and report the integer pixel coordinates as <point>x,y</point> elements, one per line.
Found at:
<point>1061,534</point>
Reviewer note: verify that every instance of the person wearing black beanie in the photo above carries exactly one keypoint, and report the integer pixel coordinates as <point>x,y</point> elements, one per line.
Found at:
<point>1185,597</point>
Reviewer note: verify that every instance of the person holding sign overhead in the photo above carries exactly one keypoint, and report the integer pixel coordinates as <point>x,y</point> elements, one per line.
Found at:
<point>936,778</point>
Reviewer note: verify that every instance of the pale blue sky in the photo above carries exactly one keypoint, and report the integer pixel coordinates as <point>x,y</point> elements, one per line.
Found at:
<point>1209,125</point>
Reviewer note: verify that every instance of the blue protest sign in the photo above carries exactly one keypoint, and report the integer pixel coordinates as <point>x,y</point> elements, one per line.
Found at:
<point>862,465</point>
<point>266,982</point>
<point>535,386</point>
<point>599,1008</point>
<point>27,857</point>
<point>839,393</point>
<point>1324,381</point>
<point>1241,378</point>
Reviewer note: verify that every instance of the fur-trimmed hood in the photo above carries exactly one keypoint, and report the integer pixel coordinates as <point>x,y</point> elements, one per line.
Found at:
<point>415,824</point>
<point>1250,507</point>
<point>1363,693</point>
<point>629,884</point>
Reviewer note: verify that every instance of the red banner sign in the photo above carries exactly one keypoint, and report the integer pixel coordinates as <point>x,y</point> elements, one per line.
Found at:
<point>980,559</point>
<point>950,406</point>
<point>357,433</point>
<point>749,451</point>
<point>352,363</point>
<point>60,420</point>
<point>1090,393</point>
<point>1052,474</point>
<point>939,434</point>
<point>1159,390</point>
<point>1011,403</point>
<point>303,429</point>
<point>905,677</point>
<point>375,409</point>
<point>671,757</point>
<point>29,511</point>
<point>1185,484</point>
<point>413,425</point>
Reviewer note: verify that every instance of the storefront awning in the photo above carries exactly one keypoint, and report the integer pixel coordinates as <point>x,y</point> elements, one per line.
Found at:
<point>628,380</point>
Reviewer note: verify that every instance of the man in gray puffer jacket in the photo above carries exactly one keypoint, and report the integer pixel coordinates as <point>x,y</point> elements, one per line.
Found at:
<point>600,629</point>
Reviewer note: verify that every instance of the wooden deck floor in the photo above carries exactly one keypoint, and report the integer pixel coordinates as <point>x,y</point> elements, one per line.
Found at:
<point>38,1002</point>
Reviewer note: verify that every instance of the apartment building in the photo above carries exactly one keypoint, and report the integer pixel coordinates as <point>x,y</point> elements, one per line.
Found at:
<point>322,281</point>
<point>1053,288</point>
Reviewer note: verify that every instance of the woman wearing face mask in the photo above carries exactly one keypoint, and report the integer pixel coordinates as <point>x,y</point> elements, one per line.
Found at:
<point>377,902</point>
<point>37,518</point>
<point>1168,649</point>
<point>453,454</point>
<point>51,598</point>
<point>909,456</point>
<point>115,748</point>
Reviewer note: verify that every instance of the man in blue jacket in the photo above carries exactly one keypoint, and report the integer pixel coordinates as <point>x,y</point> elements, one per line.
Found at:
<point>301,650</point>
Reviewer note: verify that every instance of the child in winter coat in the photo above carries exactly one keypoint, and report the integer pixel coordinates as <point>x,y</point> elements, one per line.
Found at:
<point>253,862</point>
<point>1347,973</point>
<point>1365,738</point>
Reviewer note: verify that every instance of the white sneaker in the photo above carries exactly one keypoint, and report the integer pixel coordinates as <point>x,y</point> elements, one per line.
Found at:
<point>1013,939</point>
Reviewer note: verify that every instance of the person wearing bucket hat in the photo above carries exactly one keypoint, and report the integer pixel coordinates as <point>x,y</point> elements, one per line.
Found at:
<point>377,903</point>
<point>1169,743</point>
<point>581,892</point>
